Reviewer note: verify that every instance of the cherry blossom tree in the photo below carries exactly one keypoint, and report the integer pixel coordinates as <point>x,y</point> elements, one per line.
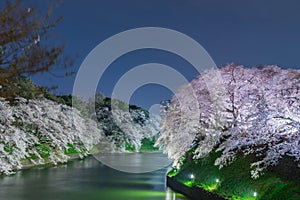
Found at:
<point>259,115</point>
<point>30,126</point>
<point>124,124</point>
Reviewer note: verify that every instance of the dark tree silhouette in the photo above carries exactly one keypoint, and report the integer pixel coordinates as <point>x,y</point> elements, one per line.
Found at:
<point>24,46</point>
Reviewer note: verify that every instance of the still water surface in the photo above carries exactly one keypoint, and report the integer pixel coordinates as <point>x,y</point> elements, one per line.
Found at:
<point>86,179</point>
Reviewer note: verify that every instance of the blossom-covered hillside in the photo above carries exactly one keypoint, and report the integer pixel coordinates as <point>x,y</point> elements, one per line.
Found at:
<point>256,112</point>
<point>42,131</point>
<point>126,125</point>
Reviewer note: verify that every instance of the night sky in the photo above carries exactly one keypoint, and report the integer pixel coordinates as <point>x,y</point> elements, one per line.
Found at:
<point>243,32</point>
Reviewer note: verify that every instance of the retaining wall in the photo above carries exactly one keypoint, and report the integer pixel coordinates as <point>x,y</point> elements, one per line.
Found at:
<point>194,193</point>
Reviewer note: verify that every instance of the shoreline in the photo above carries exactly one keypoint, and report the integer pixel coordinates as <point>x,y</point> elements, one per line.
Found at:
<point>28,165</point>
<point>193,193</point>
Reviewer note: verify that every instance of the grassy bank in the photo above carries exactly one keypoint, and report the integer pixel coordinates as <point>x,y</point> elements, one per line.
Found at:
<point>71,152</point>
<point>147,146</point>
<point>234,181</point>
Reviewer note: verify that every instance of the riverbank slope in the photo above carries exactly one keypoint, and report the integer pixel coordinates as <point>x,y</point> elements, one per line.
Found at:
<point>235,182</point>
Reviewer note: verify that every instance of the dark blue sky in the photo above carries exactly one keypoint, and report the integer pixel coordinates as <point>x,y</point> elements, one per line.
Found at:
<point>244,32</point>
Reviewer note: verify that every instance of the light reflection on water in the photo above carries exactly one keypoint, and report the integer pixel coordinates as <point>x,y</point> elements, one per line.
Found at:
<point>85,179</point>
<point>134,162</point>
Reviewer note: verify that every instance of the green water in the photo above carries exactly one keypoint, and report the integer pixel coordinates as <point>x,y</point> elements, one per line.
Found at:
<point>86,179</point>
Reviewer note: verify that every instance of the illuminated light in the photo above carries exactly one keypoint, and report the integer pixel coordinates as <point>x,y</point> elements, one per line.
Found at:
<point>217,180</point>
<point>254,194</point>
<point>192,176</point>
